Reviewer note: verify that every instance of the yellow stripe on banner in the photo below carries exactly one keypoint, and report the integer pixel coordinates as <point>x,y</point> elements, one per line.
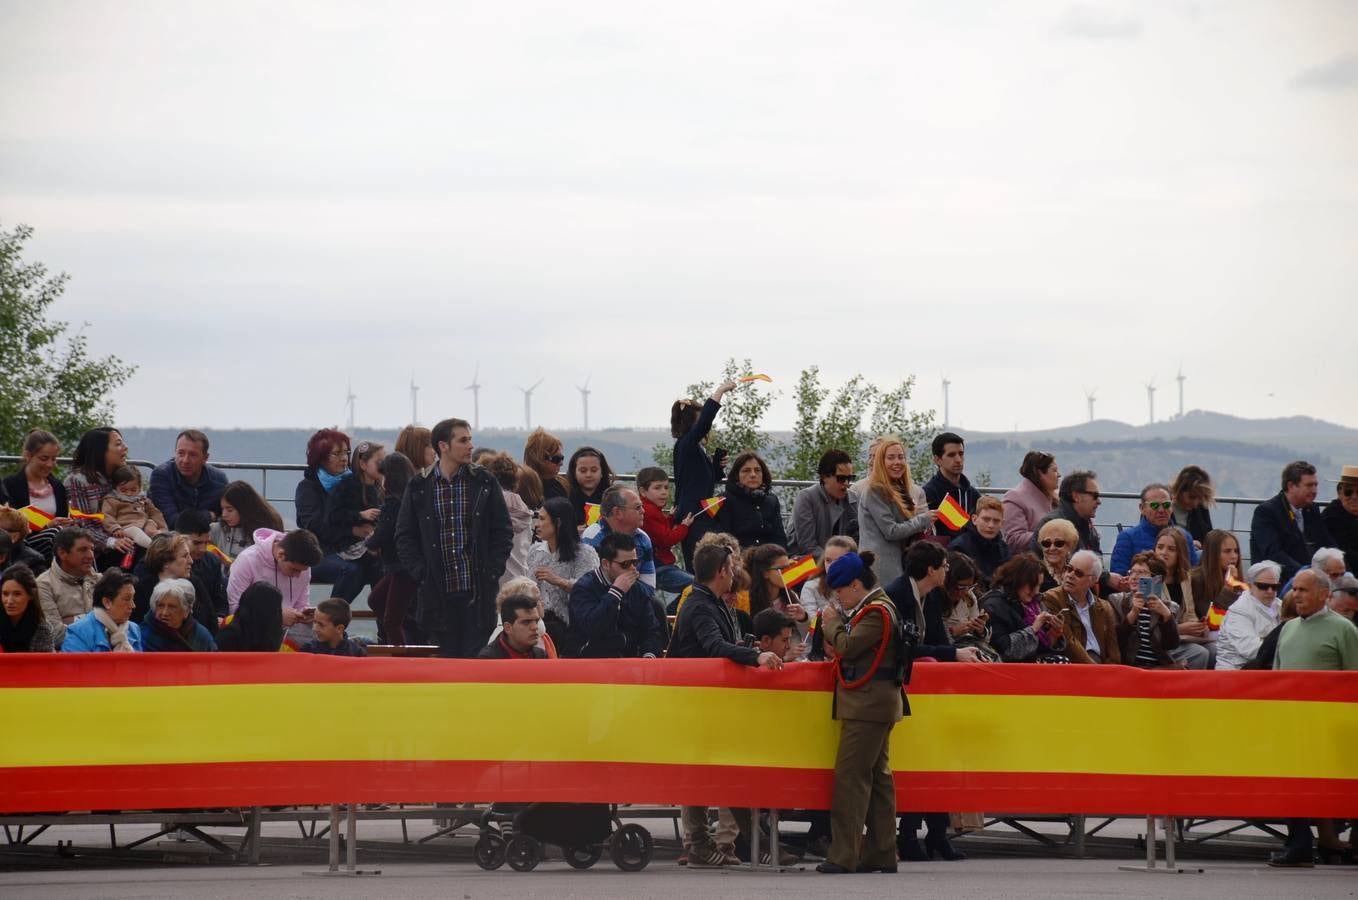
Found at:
<point>677,725</point>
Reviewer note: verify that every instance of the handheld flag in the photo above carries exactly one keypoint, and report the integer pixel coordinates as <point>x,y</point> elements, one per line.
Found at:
<point>89,517</point>
<point>746,379</point>
<point>1215,616</point>
<point>952,515</point>
<point>712,505</point>
<point>36,517</point>
<point>220,554</point>
<point>591,513</point>
<point>799,571</point>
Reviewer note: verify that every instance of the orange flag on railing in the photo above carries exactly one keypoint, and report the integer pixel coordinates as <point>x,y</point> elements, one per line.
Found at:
<point>799,571</point>
<point>952,515</point>
<point>591,513</point>
<point>712,505</point>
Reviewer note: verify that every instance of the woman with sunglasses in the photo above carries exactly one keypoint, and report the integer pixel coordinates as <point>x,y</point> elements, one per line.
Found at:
<point>1058,540</point>
<point>542,453</point>
<point>1251,617</point>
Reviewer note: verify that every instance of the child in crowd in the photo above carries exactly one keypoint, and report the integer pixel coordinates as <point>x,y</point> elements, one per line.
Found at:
<point>654,486</point>
<point>244,511</point>
<point>329,625</point>
<point>128,506</point>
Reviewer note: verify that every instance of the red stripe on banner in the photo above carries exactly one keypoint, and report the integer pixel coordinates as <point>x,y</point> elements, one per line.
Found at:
<point>304,783</point>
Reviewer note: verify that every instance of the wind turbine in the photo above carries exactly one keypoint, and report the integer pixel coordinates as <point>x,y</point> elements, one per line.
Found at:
<point>1150,397</point>
<point>584,397</point>
<point>349,402</point>
<point>946,410</point>
<point>475,388</point>
<point>528,405</point>
<point>1181,379</point>
<point>1089,398</point>
<point>414,404</point>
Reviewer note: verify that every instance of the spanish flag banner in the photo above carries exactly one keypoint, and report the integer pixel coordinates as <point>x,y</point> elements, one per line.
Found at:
<point>712,506</point>
<point>221,554</point>
<point>591,513</point>
<point>37,519</point>
<point>800,570</point>
<point>88,517</point>
<point>760,376</point>
<point>174,731</point>
<point>951,514</point>
<point>1215,616</point>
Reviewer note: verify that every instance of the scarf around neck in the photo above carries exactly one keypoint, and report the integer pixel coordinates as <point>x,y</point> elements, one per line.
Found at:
<point>117,634</point>
<point>329,481</point>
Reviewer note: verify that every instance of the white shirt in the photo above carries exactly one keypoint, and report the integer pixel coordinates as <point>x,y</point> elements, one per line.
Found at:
<point>1091,642</point>
<point>1247,623</point>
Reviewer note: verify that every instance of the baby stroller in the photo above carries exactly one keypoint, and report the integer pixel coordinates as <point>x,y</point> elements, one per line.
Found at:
<point>517,835</point>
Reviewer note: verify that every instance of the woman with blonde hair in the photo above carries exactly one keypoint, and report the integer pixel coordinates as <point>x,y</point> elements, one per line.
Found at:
<point>892,511</point>
<point>1058,540</point>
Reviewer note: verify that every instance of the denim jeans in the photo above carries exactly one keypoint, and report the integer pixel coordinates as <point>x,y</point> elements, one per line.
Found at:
<point>672,579</point>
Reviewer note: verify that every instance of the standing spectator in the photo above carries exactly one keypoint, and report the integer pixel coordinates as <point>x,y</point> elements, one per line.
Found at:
<point>589,476</point>
<point>1155,516</point>
<point>1341,516</point>
<point>22,626</point>
<point>557,561</point>
<point>613,612</point>
<point>169,624</point>
<point>66,590</point>
<point>505,471</point>
<point>981,538</point>
<point>327,460</point>
<point>1027,503</point>
<point>206,573</point>
<point>257,625</point>
<point>654,487</point>
<point>187,481</point>
<point>35,485</point>
<point>1251,617</point>
<point>243,512</point>
<point>414,443</point>
<point>824,510</point>
<point>454,537</point>
<point>620,512</point>
<point>1021,630</point>
<point>100,451</point>
<point>1145,628</point>
<point>1194,648</point>
<point>282,560</point>
<point>1288,527</point>
<point>393,597</point>
<point>696,474</point>
<point>130,509</point>
<point>892,510</point>
<point>1193,494</point>
<point>108,626</point>
<point>751,511</point>
<point>542,453</point>
<point>950,481</point>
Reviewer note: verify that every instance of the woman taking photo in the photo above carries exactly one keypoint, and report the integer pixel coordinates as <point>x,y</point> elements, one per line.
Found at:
<point>244,512</point>
<point>542,454</point>
<point>752,512</point>
<point>696,474</point>
<point>557,561</point>
<point>1033,498</point>
<point>169,626</point>
<point>892,510</point>
<point>22,628</point>
<point>100,451</point>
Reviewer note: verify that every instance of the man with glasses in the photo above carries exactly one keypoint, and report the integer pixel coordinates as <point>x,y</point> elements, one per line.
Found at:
<point>1078,500</point>
<point>1341,516</point>
<point>824,510</point>
<point>1090,622</point>
<point>1288,527</point>
<point>1344,596</point>
<point>1156,510</point>
<point>1251,617</point>
<point>613,612</point>
<point>621,512</point>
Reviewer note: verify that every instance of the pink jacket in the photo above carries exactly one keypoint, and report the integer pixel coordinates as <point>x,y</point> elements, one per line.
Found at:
<point>1024,507</point>
<point>256,563</point>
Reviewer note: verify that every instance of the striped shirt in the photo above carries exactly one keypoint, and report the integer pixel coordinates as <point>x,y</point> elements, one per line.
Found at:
<point>453,509</point>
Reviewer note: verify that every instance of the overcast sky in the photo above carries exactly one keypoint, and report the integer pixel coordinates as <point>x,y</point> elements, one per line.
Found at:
<point>257,201</point>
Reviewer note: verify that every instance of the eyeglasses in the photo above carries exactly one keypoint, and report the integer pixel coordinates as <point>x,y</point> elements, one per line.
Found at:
<point>340,453</point>
<point>1156,504</point>
<point>1266,586</point>
<point>555,458</point>
<point>1093,495</point>
<point>625,563</point>
<point>844,479</point>
<point>1049,543</point>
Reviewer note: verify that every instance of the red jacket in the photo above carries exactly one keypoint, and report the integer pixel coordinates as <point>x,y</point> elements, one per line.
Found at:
<point>663,535</point>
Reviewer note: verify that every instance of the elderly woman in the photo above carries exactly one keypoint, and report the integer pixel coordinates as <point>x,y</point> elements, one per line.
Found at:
<point>1020,629</point>
<point>22,627</point>
<point>751,512</point>
<point>171,556</point>
<point>257,625</point>
<point>169,625</point>
<point>1058,540</point>
<point>892,509</point>
<point>1031,499</point>
<point>1251,617</point>
<point>99,453</point>
<point>108,628</point>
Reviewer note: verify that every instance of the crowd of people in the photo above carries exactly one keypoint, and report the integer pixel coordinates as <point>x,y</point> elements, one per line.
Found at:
<point>487,556</point>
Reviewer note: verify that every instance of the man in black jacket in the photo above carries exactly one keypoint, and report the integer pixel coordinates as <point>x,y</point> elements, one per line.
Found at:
<point>950,481</point>
<point>1289,528</point>
<point>454,537</point>
<point>613,612</point>
<point>1341,516</point>
<point>519,639</point>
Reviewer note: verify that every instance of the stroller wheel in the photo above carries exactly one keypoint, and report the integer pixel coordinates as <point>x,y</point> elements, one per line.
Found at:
<point>632,848</point>
<point>489,851</point>
<point>582,857</point>
<point>523,853</point>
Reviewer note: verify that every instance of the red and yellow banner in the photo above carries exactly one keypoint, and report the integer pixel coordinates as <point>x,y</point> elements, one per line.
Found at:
<point>592,511</point>
<point>105,731</point>
<point>800,570</point>
<point>712,506</point>
<point>951,514</point>
<point>88,517</point>
<point>37,519</point>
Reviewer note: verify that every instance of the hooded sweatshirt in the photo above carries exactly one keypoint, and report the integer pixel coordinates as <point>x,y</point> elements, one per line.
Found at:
<point>256,563</point>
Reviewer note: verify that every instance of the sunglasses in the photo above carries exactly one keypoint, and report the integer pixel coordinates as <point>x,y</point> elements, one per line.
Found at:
<point>1266,586</point>
<point>1348,491</point>
<point>625,563</point>
<point>1091,494</point>
<point>555,458</point>
<point>1156,504</point>
<point>844,479</point>
<point>1049,543</point>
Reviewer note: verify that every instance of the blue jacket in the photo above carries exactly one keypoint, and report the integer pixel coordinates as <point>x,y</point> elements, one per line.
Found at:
<point>157,638</point>
<point>1274,535</point>
<point>1139,539</point>
<point>608,624</point>
<point>86,635</point>
<point>172,494</point>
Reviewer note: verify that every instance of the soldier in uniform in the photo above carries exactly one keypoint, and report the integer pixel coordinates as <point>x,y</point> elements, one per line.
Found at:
<point>873,650</point>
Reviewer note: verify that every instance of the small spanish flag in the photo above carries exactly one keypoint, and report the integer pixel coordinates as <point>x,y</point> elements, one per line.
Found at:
<point>591,513</point>
<point>36,517</point>
<point>760,376</point>
<point>800,570</point>
<point>952,515</point>
<point>91,517</point>
<point>220,554</point>
<point>712,505</point>
<point>1215,616</point>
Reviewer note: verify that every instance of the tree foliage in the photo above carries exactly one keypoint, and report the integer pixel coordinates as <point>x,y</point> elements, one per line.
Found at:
<point>47,378</point>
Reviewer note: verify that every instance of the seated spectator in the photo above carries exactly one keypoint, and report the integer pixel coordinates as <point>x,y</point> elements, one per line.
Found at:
<point>282,560</point>
<point>751,512</point>
<point>774,631</point>
<point>620,512</point>
<point>525,588</point>
<point>588,476</point>
<point>22,626</point>
<point>205,572</point>
<point>1251,617</point>
<point>1196,648</point>
<point>257,624</point>
<point>66,590</point>
<point>327,459</point>
<point>1029,502</point>
<point>520,628</point>
<point>108,626</point>
<point>14,527</point>
<point>244,512</point>
<point>1020,629</point>
<point>416,443</point>
<point>100,451</point>
<point>128,507</point>
<point>542,454</point>
<point>169,625</point>
<point>696,475</point>
<point>1146,627</point>
<point>1318,639</point>
<point>1288,527</point>
<point>171,556</point>
<point>968,625</point>
<point>1344,596</point>
<point>920,599</point>
<point>1327,562</point>
<point>34,485</point>
<point>352,508</point>
<point>330,625</point>
<point>1090,623</point>
<point>1263,660</point>
<point>981,540</point>
<point>393,597</point>
<point>1193,493</point>
<point>766,565</point>
<point>1155,515</point>
<point>557,561</point>
<point>740,593</point>
<point>613,613</point>
<point>1058,540</point>
<point>824,510</point>
<point>1341,516</point>
<point>1214,583</point>
<point>892,510</point>
<point>187,481</point>
<point>506,473</point>
<point>654,487</point>
<point>949,481</point>
<point>814,593</point>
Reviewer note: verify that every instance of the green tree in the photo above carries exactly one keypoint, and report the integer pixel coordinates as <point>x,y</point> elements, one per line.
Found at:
<point>737,426</point>
<point>47,378</point>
